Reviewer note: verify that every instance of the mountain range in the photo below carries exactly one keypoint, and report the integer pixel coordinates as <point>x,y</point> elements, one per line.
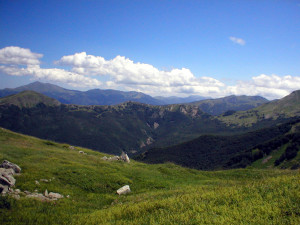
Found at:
<point>113,97</point>
<point>180,133</point>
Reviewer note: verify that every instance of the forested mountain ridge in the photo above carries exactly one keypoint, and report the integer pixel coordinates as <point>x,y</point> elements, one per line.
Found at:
<point>130,126</point>
<point>211,152</point>
<point>113,97</point>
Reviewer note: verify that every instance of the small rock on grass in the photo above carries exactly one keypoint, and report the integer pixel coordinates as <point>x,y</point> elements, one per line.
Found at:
<point>124,190</point>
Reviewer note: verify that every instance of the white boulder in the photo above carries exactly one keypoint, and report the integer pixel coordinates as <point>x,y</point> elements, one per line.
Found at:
<point>124,190</point>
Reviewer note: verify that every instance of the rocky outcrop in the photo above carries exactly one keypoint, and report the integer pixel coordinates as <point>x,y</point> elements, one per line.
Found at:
<point>52,196</point>
<point>8,165</point>
<point>124,190</point>
<point>123,157</point>
<point>7,172</point>
<point>7,181</point>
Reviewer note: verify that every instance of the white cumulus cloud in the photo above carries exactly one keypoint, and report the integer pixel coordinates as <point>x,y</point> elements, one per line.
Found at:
<point>124,74</point>
<point>143,77</point>
<point>236,40</point>
<point>19,56</point>
<point>269,86</point>
<point>18,61</point>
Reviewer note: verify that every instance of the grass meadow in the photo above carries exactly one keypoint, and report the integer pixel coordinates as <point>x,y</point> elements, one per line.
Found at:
<point>161,193</point>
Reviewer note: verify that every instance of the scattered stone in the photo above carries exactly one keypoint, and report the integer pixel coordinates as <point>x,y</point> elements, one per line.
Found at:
<point>72,147</point>
<point>44,180</point>
<point>38,196</point>
<point>7,171</point>
<point>37,183</point>
<point>3,189</point>
<point>8,165</point>
<point>155,125</point>
<point>124,190</point>
<point>27,192</point>
<point>114,158</point>
<point>46,193</point>
<point>6,179</point>
<point>125,157</point>
<point>53,195</point>
<point>149,141</point>
<point>17,191</point>
<point>68,196</point>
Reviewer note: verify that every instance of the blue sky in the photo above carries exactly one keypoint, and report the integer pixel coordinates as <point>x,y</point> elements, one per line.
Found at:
<point>209,48</point>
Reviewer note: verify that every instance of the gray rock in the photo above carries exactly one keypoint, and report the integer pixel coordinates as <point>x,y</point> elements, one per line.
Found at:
<point>53,195</point>
<point>6,179</point>
<point>38,196</point>
<point>9,171</point>
<point>3,189</point>
<point>125,157</point>
<point>114,158</point>
<point>104,158</point>
<point>46,193</point>
<point>44,180</point>
<point>124,190</point>
<point>8,165</point>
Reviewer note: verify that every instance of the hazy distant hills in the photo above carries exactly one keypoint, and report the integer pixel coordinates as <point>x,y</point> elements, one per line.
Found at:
<point>181,100</point>
<point>230,103</point>
<point>113,97</point>
<point>91,97</point>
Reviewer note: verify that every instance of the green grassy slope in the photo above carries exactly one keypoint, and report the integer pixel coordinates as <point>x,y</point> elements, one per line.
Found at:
<point>286,107</point>
<point>161,194</point>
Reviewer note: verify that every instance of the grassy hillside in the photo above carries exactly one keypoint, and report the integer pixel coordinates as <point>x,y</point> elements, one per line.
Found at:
<point>286,107</point>
<point>161,194</point>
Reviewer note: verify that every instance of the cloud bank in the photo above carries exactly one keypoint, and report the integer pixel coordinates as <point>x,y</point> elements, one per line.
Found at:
<point>122,73</point>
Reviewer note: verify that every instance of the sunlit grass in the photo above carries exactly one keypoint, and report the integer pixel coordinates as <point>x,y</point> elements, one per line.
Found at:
<point>161,194</point>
